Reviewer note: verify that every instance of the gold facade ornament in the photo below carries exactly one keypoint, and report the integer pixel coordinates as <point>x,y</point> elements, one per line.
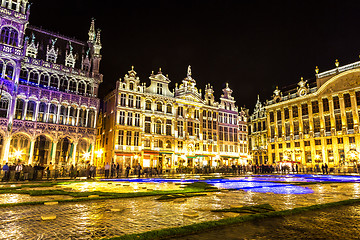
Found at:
<point>336,63</point>
<point>317,70</point>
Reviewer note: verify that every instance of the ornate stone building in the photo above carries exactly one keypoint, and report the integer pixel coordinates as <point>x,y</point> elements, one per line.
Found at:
<point>48,84</point>
<point>258,134</point>
<point>318,122</point>
<point>161,128</point>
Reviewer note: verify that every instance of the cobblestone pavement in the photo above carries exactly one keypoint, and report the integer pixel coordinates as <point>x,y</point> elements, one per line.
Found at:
<point>334,223</point>
<point>93,220</point>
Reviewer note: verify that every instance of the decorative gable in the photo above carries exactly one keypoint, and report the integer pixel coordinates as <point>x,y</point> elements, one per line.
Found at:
<point>51,53</point>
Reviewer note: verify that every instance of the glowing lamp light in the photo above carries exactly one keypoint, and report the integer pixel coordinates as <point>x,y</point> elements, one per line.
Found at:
<point>86,155</point>
<point>18,153</point>
<point>99,153</point>
<point>183,157</point>
<point>286,157</point>
<point>136,156</point>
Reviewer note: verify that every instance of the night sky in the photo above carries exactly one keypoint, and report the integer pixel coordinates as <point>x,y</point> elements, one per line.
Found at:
<point>252,45</point>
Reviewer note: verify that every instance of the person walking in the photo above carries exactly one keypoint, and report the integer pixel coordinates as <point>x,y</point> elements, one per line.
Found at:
<point>107,170</point>
<point>5,169</point>
<point>127,170</point>
<point>326,168</point>
<point>138,168</point>
<point>18,170</point>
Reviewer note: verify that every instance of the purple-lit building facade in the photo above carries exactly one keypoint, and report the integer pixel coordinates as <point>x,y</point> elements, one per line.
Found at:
<point>49,85</point>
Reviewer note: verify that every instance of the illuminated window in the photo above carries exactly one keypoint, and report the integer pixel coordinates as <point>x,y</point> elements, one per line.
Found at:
<point>328,141</point>
<point>347,101</point>
<point>317,142</point>
<point>304,109</point>
<point>340,140</point>
<point>295,111</point>
<point>316,124</point>
<point>336,102</point>
<point>325,102</point>
<point>121,137</point>
<point>306,143</point>
<point>315,106</point>
<point>148,105</point>
<point>306,128</point>
<point>350,120</point>
<point>327,124</point>
<point>9,36</point>
<point>338,123</point>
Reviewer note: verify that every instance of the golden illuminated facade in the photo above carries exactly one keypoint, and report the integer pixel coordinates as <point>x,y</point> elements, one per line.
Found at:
<point>318,122</point>
<point>167,129</point>
<point>258,135</point>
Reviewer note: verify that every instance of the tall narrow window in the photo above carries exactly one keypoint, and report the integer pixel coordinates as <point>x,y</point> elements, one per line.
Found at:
<point>136,138</point>
<point>123,99</point>
<point>30,110</point>
<point>180,126</point>
<point>131,101</point>
<point>41,112</point>
<point>137,119</point>
<point>148,105</point>
<point>168,127</point>
<point>349,120</point>
<point>327,123</point>
<point>316,125</point>
<point>325,102</point>
<point>4,105</point>
<point>315,106</point>
<point>122,118</point>
<point>147,124</point>
<point>138,102</point>
<point>295,111</point>
<point>190,129</point>
<point>304,109</point>
<point>128,138</point>
<point>338,123</point>
<point>336,102</point>
<point>129,118</point>
<point>121,137</point>
<point>159,88</point>
<point>158,127</point>
<point>347,101</point>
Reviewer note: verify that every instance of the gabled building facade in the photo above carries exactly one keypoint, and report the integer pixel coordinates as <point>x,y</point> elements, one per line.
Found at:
<point>49,85</point>
<point>166,129</point>
<point>318,122</point>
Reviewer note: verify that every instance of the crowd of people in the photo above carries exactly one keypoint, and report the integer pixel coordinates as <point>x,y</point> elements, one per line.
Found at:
<point>23,172</point>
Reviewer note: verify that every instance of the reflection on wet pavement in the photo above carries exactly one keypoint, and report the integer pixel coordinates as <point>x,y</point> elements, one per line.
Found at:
<point>94,219</point>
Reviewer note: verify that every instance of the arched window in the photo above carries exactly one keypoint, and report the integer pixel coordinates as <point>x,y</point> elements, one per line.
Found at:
<point>9,71</point>
<point>64,84</point>
<point>52,113</point>
<point>72,116</point>
<point>131,86</point>
<point>34,77</point>
<point>158,127</point>
<point>148,105</point>
<point>81,88</point>
<point>19,108</point>
<point>44,80</point>
<point>159,106</point>
<point>4,105</point>
<point>54,81</point>
<point>89,90</point>
<point>72,86</point>
<point>30,111</point>
<point>82,117</point>
<point>160,144</point>
<point>24,74</point>
<point>91,119</point>
<point>41,112</point>
<point>168,144</point>
<point>62,115</point>
<point>168,109</point>
<point>1,67</point>
<point>9,36</point>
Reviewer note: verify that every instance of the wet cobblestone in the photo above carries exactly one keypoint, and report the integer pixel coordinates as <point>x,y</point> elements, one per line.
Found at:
<point>335,223</point>
<point>93,220</point>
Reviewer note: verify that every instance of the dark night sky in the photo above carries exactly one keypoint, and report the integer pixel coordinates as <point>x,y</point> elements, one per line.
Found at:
<point>252,45</point>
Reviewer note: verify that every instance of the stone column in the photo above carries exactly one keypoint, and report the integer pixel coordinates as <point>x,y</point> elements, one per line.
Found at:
<point>92,153</point>
<point>36,111</point>
<point>6,150</point>
<point>68,116</point>
<point>25,109</point>
<point>58,114</point>
<point>95,119</point>
<point>47,113</point>
<point>77,117</point>
<point>31,157</point>
<point>74,152</point>
<point>53,151</point>
<point>87,117</point>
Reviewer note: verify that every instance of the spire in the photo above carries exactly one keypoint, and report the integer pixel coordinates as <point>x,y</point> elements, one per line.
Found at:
<point>92,30</point>
<point>189,72</point>
<point>97,41</point>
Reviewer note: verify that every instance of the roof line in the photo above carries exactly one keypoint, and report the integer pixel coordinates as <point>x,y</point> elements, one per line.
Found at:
<point>58,35</point>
